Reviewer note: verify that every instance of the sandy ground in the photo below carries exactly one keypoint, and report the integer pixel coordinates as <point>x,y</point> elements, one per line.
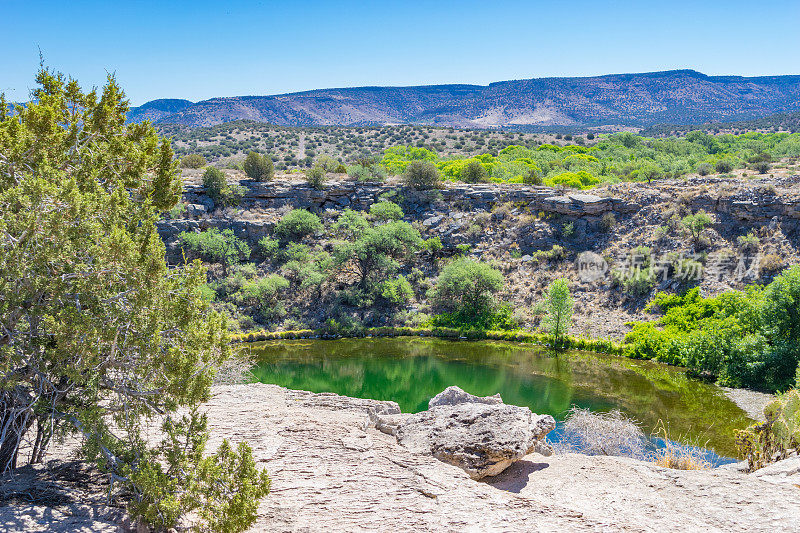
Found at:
<point>332,472</point>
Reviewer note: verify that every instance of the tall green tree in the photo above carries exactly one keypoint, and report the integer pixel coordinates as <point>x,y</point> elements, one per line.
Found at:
<point>559,310</point>
<point>95,331</point>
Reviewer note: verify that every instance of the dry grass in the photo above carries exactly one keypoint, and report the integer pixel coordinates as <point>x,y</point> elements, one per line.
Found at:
<point>675,455</point>
<point>610,433</point>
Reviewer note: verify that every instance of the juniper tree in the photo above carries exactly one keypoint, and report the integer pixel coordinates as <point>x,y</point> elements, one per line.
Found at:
<point>95,330</point>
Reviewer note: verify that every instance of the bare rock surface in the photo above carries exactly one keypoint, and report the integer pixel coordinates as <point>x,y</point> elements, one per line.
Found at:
<point>329,473</point>
<point>332,471</point>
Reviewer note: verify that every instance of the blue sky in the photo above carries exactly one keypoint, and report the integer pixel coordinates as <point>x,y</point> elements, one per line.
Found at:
<point>201,49</point>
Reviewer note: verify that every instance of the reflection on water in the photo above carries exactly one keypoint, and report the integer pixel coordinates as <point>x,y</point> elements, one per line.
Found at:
<point>411,370</point>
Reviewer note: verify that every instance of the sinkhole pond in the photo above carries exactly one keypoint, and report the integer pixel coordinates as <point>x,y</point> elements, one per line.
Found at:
<point>410,371</point>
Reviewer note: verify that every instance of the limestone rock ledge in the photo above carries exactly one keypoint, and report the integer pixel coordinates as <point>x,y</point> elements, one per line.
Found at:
<point>333,471</point>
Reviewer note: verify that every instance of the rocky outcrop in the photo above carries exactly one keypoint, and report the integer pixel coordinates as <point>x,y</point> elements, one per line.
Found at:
<point>332,472</point>
<point>480,435</point>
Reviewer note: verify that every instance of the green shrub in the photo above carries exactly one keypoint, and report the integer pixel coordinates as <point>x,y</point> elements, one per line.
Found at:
<point>385,211</point>
<point>422,175</point>
<point>297,223</point>
<point>743,339</point>
<point>608,222</point>
<point>695,224</point>
<point>397,291</point>
<point>315,177</point>
<point>216,246</point>
<point>327,164</point>
<point>219,190</point>
<point>765,443</point>
<point>367,173</point>
<point>467,287</point>
<point>222,490</point>
<point>193,161</point>
<point>258,167</point>
<point>262,295</point>
<point>704,169</point>
<point>474,172</point>
<point>268,247</point>
<point>723,166</point>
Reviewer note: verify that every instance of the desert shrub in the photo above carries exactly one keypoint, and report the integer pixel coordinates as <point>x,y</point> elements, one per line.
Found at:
<point>609,433</point>
<point>556,253</point>
<point>421,175</point>
<point>765,443</point>
<point>297,223</point>
<point>723,166</point>
<point>262,294</point>
<point>638,276</point>
<point>367,173</point>
<point>350,225</point>
<point>267,247</point>
<point>467,289</point>
<point>762,167</point>
<point>258,167</point>
<point>771,264</point>
<point>704,169</point>
<point>193,161</point>
<point>385,211</point>
<point>433,246</point>
<point>749,243</point>
<point>695,224</point>
<point>218,189</point>
<point>533,177</point>
<point>474,172</point>
<point>559,310</point>
<point>608,222</point>
<point>315,176</point>
<point>216,246</point>
<point>397,291</point>
<point>327,164</point>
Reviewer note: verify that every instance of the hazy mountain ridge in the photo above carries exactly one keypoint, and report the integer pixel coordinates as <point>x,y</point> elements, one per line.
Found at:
<point>678,96</point>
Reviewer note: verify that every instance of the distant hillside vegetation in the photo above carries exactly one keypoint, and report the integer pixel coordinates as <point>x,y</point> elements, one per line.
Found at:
<point>155,110</point>
<point>635,100</point>
<point>781,122</point>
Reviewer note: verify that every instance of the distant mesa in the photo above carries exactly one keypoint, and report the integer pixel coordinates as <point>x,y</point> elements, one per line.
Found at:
<point>636,100</point>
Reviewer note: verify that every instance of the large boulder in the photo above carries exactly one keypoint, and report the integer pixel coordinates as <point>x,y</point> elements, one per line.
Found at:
<point>482,436</point>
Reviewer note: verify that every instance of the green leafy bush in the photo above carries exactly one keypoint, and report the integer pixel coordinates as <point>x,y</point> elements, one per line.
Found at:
<point>193,161</point>
<point>218,189</point>
<point>385,211</point>
<point>216,246</point>
<point>421,175</point>
<point>297,223</point>
<point>315,177</point>
<point>695,224</point>
<point>258,167</point>
<point>397,291</point>
<point>467,287</point>
<point>474,172</point>
<point>741,339</point>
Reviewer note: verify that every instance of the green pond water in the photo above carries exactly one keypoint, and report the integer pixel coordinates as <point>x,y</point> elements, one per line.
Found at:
<point>410,371</point>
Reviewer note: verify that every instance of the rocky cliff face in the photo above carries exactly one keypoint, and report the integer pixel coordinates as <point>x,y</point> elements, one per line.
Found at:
<point>756,202</point>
